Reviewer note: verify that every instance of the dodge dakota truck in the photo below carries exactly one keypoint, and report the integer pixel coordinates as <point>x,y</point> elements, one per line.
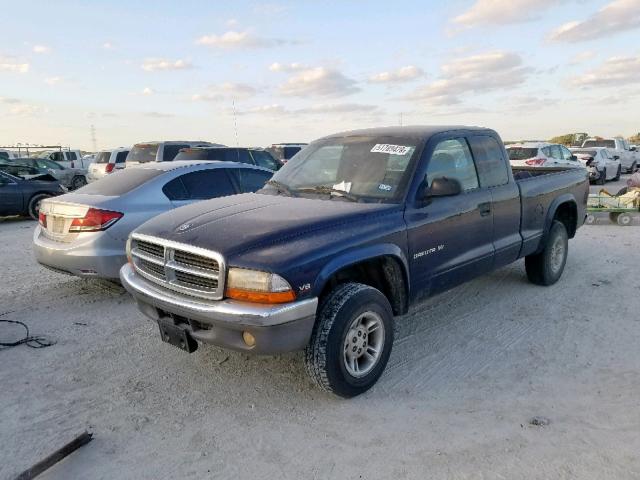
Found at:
<point>349,234</point>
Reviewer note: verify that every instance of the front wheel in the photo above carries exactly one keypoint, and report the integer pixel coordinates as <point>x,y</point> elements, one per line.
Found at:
<point>602,179</point>
<point>618,173</point>
<point>545,268</point>
<point>78,181</point>
<point>351,340</point>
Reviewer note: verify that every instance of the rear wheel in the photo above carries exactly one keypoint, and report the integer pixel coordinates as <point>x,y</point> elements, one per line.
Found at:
<point>624,220</point>
<point>351,340</point>
<point>613,217</point>
<point>546,267</point>
<point>34,205</point>
<point>591,219</point>
<point>78,181</point>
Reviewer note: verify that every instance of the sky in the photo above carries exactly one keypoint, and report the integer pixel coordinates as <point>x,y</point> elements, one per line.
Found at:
<point>255,73</point>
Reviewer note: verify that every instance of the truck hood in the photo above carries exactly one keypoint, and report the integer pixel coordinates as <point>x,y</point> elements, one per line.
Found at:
<point>240,223</point>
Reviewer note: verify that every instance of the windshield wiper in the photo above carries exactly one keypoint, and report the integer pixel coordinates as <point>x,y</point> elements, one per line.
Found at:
<point>329,190</point>
<point>281,187</point>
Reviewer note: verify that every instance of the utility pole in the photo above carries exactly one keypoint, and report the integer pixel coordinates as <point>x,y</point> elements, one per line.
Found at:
<point>93,138</point>
<point>235,121</point>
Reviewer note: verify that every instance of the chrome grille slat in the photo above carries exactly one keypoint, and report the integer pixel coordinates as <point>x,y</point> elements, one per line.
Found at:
<point>150,249</point>
<point>190,270</point>
<point>180,267</point>
<point>149,258</point>
<point>194,260</point>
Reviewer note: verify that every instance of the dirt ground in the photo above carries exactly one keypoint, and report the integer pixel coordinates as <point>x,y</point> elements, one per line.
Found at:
<point>468,371</point>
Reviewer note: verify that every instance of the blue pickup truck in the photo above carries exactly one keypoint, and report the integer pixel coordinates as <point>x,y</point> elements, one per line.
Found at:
<point>346,236</point>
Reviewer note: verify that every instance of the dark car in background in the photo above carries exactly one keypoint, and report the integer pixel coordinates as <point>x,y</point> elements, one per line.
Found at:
<point>22,196</point>
<point>285,151</point>
<point>252,156</point>
<point>72,178</point>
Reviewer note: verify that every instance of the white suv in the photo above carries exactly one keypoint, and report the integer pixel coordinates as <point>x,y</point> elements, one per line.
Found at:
<point>600,163</point>
<point>619,148</point>
<point>106,162</point>
<point>541,154</point>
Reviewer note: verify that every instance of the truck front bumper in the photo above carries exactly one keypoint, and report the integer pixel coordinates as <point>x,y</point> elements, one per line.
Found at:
<point>276,328</point>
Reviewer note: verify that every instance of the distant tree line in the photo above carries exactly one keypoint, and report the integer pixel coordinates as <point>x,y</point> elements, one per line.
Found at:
<point>571,139</point>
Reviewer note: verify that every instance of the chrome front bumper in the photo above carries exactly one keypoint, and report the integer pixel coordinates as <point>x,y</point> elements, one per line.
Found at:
<point>276,328</point>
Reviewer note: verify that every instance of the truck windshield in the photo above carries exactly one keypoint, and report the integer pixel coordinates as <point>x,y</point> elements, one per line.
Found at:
<point>519,153</point>
<point>374,169</point>
<point>143,153</point>
<point>600,143</point>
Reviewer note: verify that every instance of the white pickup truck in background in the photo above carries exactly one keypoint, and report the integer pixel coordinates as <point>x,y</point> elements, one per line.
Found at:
<point>67,158</point>
<point>619,148</point>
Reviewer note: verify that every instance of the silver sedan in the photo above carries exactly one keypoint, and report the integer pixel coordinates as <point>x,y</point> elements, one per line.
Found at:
<point>84,233</point>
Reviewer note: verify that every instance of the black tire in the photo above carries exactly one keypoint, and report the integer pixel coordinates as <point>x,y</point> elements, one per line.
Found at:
<point>602,179</point>
<point>617,177</point>
<point>78,181</point>
<point>34,205</point>
<point>545,268</point>
<point>613,217</point>
<point>624,220</point>
<point>326,354</point>
<point>622,191</point>
<point>633,168</point>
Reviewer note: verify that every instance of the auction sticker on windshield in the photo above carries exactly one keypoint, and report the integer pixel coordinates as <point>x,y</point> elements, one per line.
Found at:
<point>390,149</point>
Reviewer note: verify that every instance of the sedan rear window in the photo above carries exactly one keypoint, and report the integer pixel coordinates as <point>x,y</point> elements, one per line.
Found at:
<point>103,157</point>
<point>519,153</point>
<point>143,153</point>
<point>121,182</point>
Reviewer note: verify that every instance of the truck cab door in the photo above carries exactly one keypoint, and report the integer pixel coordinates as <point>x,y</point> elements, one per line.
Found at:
<point>493,172</point>
<point>10,196</point>
<point>450,237</point>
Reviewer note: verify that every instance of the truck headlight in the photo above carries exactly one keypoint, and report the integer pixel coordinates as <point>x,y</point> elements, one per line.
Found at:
<point>258,287</point>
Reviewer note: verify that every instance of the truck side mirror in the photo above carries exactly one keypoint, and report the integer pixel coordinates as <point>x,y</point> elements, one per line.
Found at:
<point>444,187</point>
<point>573,157</point>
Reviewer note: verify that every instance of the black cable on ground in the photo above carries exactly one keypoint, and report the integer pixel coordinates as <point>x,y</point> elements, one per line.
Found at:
<point>33,341</point>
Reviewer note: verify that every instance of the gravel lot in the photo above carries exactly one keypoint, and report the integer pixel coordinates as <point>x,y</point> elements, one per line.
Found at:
<point>468,371</point>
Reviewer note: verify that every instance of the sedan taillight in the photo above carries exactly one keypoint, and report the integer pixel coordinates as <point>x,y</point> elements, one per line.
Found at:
<point>42,219</point>
<point>95,220</point>
<point>536,161</point>
<point>109,167</point>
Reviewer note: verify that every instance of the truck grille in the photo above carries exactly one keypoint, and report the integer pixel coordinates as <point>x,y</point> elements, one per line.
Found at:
<point>180,267</point>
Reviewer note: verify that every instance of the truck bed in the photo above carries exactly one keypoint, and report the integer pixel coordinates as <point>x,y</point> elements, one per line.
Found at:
<point>541,189</point>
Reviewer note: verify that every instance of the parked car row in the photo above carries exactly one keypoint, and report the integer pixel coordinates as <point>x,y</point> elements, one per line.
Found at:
<point>323,256</point>
<point>604,158</point>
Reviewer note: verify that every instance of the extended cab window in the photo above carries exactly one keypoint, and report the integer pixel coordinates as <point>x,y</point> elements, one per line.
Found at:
<point>490,163</point>
<point>200,185</point>
<point>452,159</point>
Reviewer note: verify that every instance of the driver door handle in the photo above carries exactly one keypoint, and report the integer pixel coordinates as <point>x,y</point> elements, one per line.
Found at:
<point>485,209</point>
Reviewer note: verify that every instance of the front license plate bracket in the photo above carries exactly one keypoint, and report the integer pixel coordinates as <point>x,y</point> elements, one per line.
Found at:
<point>177,336</point>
